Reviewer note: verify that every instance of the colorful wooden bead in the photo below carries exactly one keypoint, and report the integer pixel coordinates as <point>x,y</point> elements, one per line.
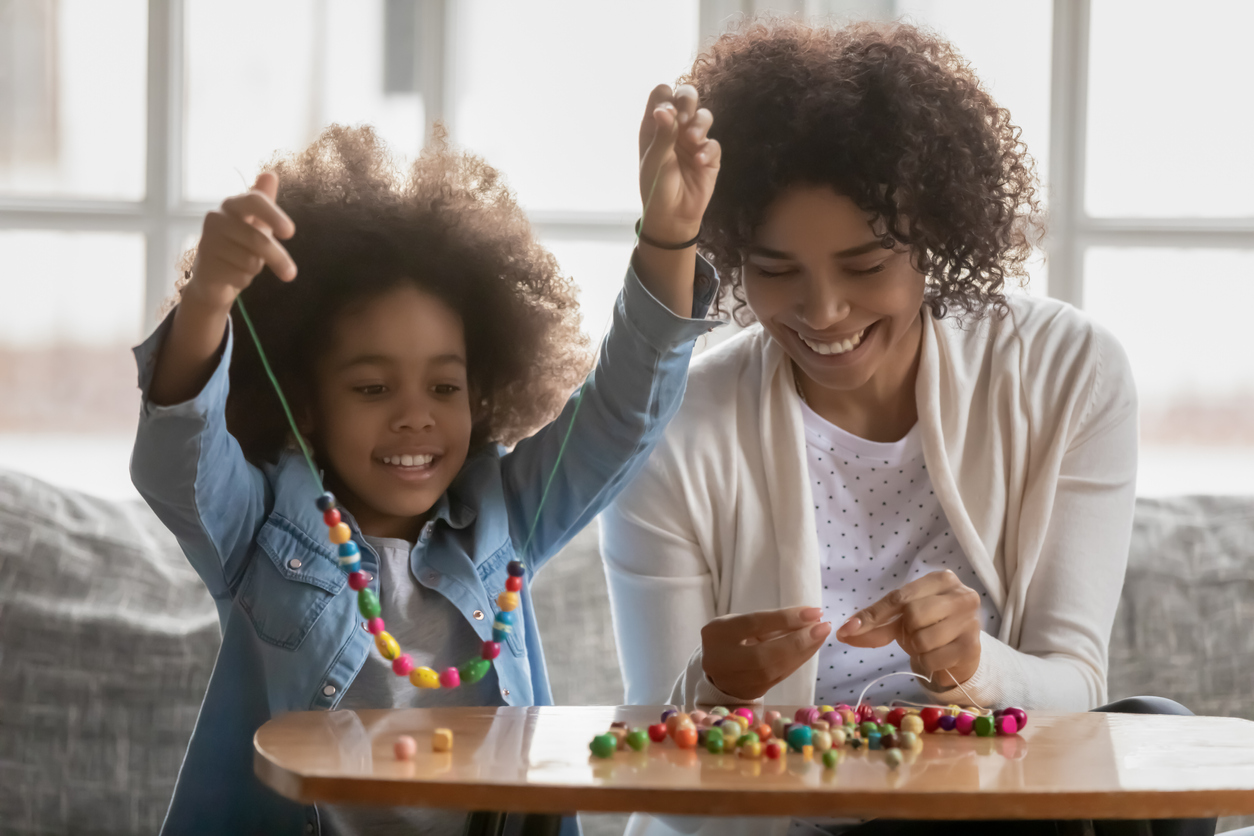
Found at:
<point>515,569</point>
<point>508,601</point>
<point>686,737</point>
<point>442,740</point>
<point>620,737</point>
<point>491,650</point>
<point>368,604</point>
<point>720,710</point>
<point>424,678</point>
<point>895,716</point>
<point>838,738</point>
<point>984,726</point>
<point>331,517</point>
<point>833,719</point>
<point>947,722</point>
<point>637,740</point>
<point>868,726</point>
<point>666,714</point>
<point>348,549</point>
<point>821,725</point>
<point>747,738</point>
<point>912,723</point>
<point>474,670</point>
<point>1006,725</point>
<point>657,732</point>
<point>747,713</point>
<point>1021,717</point>
<point>450,678</point>
<point>806,715</point>
<point>964,723</point>
<point>388,648</point>
<point>830,758</point>
<point>603,745</point>
<point>375,626</point>
<point>855,743</point>
<point>764,732</point>
<point>909,740</point>
<point>405,748</point>
<point>772,750</point>
<point>753,751</point>
<point>673,721</point>
<point>325,502</point>
<point>513,584</point>
<point>714,745</point>
<point>873,740</point>
<point>807,752</point>
<point>888,740</point>
<point>822,740</point>
<point>357,581</point>
<point>893,758</point>
<point>402,665</point>
<point>799,736</point>
<point>340,533</point>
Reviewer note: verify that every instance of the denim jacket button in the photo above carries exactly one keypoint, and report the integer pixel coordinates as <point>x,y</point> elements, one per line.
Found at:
<point>478,615</point>
<point>294,563</point>
<point>505,692</point>
<point>329,691</point>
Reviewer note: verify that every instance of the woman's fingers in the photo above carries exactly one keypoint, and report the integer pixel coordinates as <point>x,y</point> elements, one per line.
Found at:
<point>762,624</point>
<point>685,100</point>
<point>892,605</point>
<point>648,125</point>
<point>696,133</point>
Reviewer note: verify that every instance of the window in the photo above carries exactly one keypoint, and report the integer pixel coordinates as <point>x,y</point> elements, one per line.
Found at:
<point>122,123</point>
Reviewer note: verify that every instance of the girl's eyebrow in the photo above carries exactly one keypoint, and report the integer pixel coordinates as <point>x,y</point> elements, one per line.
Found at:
<point>385,360</point>
<point>861,249</point>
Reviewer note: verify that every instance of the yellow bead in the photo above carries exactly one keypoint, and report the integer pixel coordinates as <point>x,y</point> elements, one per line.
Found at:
<point>387,645</point>
<point>442,740</point>
<point>340,534</point>
<point>752,749</point>
<point>912,723</point>
<point>823,709</point>
<point>424,678</point>
<point>838,739</point>
<point>507,601</point>
<point>807,752</point>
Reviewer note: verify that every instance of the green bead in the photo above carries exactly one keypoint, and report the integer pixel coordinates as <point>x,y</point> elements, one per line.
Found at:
<point>713,732</point>
<point>720,711</point>
<point>830,758</point>
<point>638,740</point>
<point>868,727</point>
<point>893,758</point>
<point>714,745</point>
<point>984,726</point>
<point>887,728</point>
<point>474,670</point>
<point>368,603</point>
<point>748,737</point>
<point>603,745</point>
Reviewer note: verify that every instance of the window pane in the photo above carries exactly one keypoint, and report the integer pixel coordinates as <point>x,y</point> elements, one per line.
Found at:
<point>1182,317</point>
<point>598,268</point>
<point>73,304</point>
<point>268,75</point>
<point>72,94</point>
<point>554,98</point>
<point>1168,114</point>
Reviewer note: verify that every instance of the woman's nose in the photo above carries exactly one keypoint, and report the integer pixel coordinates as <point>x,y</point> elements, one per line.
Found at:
<point>823,303</point>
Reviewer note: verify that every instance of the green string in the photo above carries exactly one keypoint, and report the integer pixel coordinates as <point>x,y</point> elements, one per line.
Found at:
<point>278,390</point>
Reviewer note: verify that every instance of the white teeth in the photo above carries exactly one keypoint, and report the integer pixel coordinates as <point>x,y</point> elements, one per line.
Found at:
<point>407,461</point>
<point>839,347</point>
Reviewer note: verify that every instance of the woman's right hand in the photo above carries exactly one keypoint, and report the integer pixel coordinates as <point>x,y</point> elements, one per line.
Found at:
<point>237,240</point>
<point>746,655</point>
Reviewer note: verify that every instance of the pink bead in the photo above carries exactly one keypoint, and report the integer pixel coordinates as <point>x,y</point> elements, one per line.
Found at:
<point>405,748</point>
<point>770,717</point>
<point>1006,724</point>
<point>865,712</point>
<point>843,707</point>
<point>375,626</point>
<point>698,716</point>
<point>806,716</point>
<point>747,713</point>
<point>357,580</point>
<point>491,650</point>
<point>1021,717</point>
<point>402,665</point>
<point>964,723</point>
<point>833,719</point>
<point>450,678</point>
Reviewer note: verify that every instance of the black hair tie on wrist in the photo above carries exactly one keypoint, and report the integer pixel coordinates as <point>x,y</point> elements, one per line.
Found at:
<point>653,242</point>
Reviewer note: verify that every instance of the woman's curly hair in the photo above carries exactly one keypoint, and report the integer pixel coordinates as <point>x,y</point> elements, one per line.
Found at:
<point>887,115</point>
<point>448,226</point>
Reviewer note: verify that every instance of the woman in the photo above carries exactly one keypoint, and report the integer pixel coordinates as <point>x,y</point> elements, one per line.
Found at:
<point>899,466</point>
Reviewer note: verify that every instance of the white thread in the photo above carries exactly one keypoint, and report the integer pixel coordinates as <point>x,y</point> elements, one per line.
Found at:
<point>926,679</point>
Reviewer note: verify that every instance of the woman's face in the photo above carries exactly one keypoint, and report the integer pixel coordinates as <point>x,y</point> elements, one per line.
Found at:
<point>844,308</point>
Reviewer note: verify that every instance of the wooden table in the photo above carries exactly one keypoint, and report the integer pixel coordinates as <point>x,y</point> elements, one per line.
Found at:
<point>1076,766</point>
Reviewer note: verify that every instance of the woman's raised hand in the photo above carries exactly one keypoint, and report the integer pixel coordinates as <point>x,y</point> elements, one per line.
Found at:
<point>747,655</point>
<point>934,619</point>
<point>678,164</point>
<point>239,239</point>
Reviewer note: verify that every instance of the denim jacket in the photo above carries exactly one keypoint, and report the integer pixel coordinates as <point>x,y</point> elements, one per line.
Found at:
<point>292,639</point>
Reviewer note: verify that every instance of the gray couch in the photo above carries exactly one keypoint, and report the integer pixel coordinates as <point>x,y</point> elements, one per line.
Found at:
<point>107,639</point>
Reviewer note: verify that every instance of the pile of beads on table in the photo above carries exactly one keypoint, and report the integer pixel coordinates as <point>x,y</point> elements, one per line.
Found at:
<point>368,604</point>
<point>825,730</point>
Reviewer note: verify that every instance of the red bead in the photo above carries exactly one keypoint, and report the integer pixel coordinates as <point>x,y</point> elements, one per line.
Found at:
<point>513,584</point>
<point>931,719</point>
<point>491,650</point>
<point>357,580</point>
<point>772,750</point>
<point>375,626</point>
<point>331,517</point>
<point>657,732</point>
<point>865,712</point>
<point>1021,717</point>
<point>894,717</point>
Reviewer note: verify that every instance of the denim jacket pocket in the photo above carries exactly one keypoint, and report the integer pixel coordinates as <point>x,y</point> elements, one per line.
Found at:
<point>290,580</point>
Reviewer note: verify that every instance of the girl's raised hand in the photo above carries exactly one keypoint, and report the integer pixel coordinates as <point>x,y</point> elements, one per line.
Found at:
<point>678,164</point>
<point>239,239</point>
<point>935,620</point>
<point>747,655</point>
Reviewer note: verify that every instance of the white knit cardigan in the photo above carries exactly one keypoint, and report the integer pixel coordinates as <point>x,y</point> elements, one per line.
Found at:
<point>1029,430</point>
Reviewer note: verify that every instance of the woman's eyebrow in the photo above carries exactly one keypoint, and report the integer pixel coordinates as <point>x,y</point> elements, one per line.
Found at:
<point>861,249</point>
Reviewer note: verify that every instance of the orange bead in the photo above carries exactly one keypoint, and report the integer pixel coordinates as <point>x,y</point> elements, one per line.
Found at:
<point>764,732</point>
<point>686,737</point>
<point>340,533</point>
<point>673,721</point>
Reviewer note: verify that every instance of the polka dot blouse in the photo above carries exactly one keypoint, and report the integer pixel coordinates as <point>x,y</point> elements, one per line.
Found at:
<point>879,526</point>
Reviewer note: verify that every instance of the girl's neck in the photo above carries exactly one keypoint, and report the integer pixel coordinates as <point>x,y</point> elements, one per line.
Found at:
<point>883,409</point>
<point>373,523</point>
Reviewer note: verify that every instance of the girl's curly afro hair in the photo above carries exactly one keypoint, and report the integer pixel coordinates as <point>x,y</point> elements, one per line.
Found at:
<point>448,226</point>
<point>887,115</point>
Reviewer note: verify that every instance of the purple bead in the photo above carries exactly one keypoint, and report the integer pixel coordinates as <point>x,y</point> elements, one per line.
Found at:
<point>666,715</point>
<point>947,722</point>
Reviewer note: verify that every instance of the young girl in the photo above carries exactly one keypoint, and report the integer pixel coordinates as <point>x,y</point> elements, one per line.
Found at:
<point>928,473</point>
<point>415,325</point>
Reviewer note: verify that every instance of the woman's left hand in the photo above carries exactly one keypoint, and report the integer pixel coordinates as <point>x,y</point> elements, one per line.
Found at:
<point>934,619</point>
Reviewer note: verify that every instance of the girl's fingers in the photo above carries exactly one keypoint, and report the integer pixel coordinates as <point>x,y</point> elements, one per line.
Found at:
<point>268,184</point>
<point>648,126</point>
<point>695,133</point>
<point>260,244</point>
<point>239,262</point>
<point>257,208</point>
<point>711,156</point>
<point>685,100</point>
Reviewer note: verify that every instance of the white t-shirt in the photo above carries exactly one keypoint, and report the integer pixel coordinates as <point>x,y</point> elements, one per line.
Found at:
<point>879,527</point>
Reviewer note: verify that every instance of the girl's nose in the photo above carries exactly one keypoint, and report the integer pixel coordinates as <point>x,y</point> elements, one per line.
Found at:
<point>414,413</point>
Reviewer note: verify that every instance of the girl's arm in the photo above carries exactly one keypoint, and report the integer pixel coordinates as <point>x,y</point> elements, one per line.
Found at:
<point>185,464</point>
<point>559,479</point>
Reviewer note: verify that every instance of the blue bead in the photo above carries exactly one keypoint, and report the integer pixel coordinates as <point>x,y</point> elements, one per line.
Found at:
<point>516,568</point>
<point>326,502</point>
<point>500,636</point>
<point>873,740</point>
<point>505,618</point>
<point>348,549</point>
<point>355,566</point>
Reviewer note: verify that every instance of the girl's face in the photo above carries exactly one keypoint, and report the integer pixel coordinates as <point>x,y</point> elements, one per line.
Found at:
<point>846,310</point>
<point>392,410</point>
